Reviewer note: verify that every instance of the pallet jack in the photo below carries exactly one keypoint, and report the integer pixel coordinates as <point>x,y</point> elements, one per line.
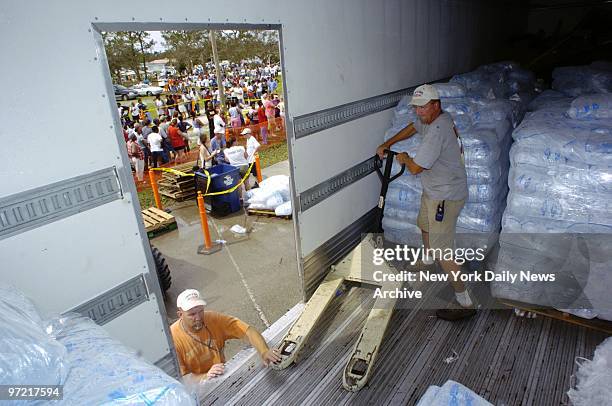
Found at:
<point>353,271</point>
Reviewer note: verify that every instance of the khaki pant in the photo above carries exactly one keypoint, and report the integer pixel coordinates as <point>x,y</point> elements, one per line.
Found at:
<point>441,233</point>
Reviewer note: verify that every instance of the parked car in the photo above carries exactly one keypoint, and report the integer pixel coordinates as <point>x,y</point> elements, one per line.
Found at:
<point>123,93</point>
<point>146,90</point>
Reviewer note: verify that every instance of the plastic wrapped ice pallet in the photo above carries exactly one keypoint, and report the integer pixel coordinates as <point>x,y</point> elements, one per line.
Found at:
<point>546,136</point>
<point>120,377</point>
<point>477,193</point>
<point>583,208</point>
<point>448,90</point>
<point>594,378</point>
<point>579,80</point>
<point>283,209</point>
<point>27,353</point>
<point>572,178</point>
<point>451,394</point>
<point>593,106</point>
<point>271,193</point>
<point>580,263</point>
<point>550,99</point>
<point>481,84</point>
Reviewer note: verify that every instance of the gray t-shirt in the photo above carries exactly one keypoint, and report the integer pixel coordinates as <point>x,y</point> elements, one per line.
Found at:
<point>440,154</point>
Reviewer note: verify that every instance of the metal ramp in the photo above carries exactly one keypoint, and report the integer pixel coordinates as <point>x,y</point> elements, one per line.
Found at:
<point>505,359</point>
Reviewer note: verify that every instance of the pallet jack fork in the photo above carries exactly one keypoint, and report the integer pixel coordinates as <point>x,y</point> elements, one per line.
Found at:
<point>356,270</point>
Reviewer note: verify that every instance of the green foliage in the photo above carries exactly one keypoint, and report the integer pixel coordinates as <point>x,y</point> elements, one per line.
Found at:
<point>185,49</point>
<point>127,50</point>
<point>273,154</point>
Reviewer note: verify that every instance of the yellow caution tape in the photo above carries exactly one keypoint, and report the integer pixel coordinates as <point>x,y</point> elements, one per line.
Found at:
<point>172,171</point>
<point>208,177</point>
<point>230,190</point>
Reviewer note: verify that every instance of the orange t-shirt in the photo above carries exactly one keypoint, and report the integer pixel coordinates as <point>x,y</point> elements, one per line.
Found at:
<point>197,355</point>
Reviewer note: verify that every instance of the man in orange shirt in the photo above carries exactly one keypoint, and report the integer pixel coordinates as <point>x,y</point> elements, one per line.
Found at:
<point>199,337</point>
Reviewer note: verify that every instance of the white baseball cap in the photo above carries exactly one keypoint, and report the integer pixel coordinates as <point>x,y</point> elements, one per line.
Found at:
<point>246,131</point>
<point>423,95</point>
<point>188,299</point>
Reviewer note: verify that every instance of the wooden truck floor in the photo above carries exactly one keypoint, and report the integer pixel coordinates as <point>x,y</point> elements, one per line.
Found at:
<point>505,359</point>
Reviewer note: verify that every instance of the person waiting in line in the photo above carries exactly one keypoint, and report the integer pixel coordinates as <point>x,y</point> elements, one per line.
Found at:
<point>170,106</point>
<point>270,110</point>
<point>184,126</point>
<point>218,144</point>
<point>235,120</point>
<point>134,112</point>
<point>159,105</point>
<point>177,139</point>
<point>198,129</point>
<point>263,122</point>
<point>206,156</point>
<point>218,122</point>
<point>136,156</point>
<point>199,336</point>
<point>155,145</point>
<point>252,146</point>
<point>210,114</point>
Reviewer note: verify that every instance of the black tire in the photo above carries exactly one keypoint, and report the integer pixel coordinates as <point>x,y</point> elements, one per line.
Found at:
<point>148,93</point>
<point>163,271</point>
<point>124,97</point>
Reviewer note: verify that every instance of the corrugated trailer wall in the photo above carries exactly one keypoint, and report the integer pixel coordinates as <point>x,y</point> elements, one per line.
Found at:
<point>71,234</point>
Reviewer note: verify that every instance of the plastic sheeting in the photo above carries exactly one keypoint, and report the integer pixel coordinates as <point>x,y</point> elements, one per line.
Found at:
<point>271,193</point>
<point>27,353</point>
<point>451,394</point>
<point>580,80</point>
<point>73,351</point>
<point>560,183</point>
<point>103,371</point>
<point>594,378</point>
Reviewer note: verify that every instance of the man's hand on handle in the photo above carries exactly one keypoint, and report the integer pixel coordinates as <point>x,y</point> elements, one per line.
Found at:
<point>215,371</point>
<point>272,356</point>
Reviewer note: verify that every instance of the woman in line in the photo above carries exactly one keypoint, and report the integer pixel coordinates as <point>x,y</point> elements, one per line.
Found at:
<point>206,157</point>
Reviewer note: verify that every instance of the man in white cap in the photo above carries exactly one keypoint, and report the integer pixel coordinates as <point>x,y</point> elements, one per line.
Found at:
<point>439,160</point>
<point>199,337</point>
<point>252,146</point>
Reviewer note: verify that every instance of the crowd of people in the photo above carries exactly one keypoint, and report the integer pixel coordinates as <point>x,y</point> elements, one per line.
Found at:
<point>193,110</point>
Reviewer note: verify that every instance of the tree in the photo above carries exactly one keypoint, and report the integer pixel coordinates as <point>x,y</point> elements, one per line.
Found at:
<point>118,53</point>
<point>145,43</point>
<point>236,45</point>
<point>187,48</point>
<point>127,50</point>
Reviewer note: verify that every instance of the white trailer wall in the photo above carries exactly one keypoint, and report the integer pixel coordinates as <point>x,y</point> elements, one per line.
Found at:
<point>60,122</point>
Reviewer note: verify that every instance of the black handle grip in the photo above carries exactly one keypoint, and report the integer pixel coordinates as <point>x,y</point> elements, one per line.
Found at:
<point>378,165</point>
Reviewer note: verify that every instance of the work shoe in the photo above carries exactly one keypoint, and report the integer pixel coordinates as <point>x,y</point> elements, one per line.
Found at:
<point>455,314</point>
<point>427,260</point>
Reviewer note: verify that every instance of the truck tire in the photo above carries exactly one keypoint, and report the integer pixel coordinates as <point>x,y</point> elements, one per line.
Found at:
<point>163,271</point>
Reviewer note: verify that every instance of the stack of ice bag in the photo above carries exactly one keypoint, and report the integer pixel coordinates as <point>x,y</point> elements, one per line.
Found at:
<point>594,378</point>
<point>558,218</point>
<point>74,352</point>
<point>484,114</point>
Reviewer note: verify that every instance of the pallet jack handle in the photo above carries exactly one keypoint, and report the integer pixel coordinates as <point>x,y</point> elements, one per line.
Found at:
<point>385,178</point>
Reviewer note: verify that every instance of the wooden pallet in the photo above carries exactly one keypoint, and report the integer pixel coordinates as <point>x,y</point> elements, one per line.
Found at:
<point>186,184</point>
<point>178,187</point>
<point>593,324</point>
<point>157,221</point>
<point>179,196</point>
<point>266,213</point>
